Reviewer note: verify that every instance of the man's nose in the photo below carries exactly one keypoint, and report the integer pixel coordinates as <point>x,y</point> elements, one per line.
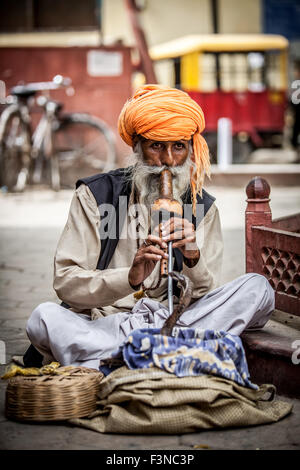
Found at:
<point>167,156</point>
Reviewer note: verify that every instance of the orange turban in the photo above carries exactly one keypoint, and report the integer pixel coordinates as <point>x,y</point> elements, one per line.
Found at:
<point>163,113</point>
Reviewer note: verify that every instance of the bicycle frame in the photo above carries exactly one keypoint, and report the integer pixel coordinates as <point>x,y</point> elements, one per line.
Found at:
<point>31,145</point>
<point>28,149</point>
<point>18,115</point>
<point>42,143</point>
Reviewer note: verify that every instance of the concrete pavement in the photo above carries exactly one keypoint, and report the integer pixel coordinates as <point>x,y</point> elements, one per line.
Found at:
<point>30,225</point>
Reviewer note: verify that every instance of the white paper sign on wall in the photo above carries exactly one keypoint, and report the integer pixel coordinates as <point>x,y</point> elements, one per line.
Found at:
<point>104,63</point>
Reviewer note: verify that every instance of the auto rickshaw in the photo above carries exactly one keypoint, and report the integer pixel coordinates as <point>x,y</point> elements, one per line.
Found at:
<point>241,77</point>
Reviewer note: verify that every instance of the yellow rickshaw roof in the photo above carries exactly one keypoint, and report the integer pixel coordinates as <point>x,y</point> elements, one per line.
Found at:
<point>217,43</point>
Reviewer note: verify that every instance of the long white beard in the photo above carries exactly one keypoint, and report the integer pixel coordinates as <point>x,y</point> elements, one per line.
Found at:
<point>145,179</point>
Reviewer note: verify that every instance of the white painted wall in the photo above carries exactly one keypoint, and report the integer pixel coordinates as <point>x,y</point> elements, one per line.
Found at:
<point>240,16</point>
<point>164,20</point>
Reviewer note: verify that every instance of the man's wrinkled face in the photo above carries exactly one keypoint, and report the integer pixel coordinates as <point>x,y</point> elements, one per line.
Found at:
<point>151,158</point>
<point>170,153</point>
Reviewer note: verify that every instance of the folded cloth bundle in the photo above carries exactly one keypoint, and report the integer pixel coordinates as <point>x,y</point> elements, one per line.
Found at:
<point>152,401</point>
<point>188,352</point>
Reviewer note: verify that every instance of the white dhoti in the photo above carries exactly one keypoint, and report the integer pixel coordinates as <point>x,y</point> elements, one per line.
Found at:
<point>74,339</point>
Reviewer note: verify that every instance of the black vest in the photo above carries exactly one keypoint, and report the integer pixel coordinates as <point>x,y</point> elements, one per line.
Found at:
<point>107,188</point>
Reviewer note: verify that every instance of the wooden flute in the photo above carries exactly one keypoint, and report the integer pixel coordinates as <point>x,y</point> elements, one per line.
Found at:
<point>163,209</point>
<point>166,207</point>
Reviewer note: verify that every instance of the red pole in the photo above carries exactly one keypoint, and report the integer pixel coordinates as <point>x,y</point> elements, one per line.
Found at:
<point>258,212</point>
<point>146,62</point>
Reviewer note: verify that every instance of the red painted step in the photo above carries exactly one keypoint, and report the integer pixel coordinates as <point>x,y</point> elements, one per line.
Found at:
<point>273,353</point>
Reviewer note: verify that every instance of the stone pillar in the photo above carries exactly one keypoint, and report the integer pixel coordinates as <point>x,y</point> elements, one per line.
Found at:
<point>258,212</point>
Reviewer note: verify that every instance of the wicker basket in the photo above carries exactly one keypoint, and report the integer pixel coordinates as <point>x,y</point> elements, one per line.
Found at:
<point>70,394</point>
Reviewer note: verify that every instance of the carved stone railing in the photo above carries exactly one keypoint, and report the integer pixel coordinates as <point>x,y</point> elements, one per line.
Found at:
<point>273,246</point>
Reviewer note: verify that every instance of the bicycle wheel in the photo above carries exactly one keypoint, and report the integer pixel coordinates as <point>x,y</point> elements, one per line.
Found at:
<point>15,158</point>
<point>84,145</point>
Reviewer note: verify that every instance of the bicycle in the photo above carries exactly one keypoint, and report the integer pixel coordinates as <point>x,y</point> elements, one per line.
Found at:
<point>64,142</point>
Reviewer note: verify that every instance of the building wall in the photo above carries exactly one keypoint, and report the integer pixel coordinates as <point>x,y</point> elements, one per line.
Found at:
<point>162,20</point>
<point>240,17</point>
<point>169,19</point>
<point>282,18</point>
<point>99,95</point>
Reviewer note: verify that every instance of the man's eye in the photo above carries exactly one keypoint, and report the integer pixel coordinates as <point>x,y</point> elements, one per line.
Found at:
<point>156,145</point>
<point>179,145</point>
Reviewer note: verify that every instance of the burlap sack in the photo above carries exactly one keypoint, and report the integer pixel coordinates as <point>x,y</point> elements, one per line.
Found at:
<point>149,401</point>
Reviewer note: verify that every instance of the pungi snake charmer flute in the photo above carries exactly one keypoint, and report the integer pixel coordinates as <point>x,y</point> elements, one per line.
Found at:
<point>163,209</point>
<point>166,207</point>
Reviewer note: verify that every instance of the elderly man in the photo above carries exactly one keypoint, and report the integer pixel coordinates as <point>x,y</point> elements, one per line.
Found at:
<point>107,263</point>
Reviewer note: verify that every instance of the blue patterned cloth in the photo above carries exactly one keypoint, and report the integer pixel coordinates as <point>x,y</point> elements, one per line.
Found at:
<point>189,352</point>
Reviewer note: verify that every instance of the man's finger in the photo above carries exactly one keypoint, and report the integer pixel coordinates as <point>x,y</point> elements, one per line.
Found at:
<point>174,238</point>
<point>186,241</point>
<point>152,239</point>
<point>176,224</point>
<point>166,225</point>
<point>155,250</point>
<point>152,256</point>
<point>179,235</point>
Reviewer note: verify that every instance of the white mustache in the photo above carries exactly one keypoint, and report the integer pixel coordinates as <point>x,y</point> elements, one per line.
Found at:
<point>146,181</point>
<point>157,170</point>
<point>145,178</point>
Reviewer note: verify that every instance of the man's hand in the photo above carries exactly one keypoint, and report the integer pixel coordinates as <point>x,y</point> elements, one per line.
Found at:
<point>145,259</point>
<point>182,233</point>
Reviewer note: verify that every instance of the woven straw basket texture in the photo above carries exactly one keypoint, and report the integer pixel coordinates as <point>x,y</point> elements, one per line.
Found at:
<point>70,394</point>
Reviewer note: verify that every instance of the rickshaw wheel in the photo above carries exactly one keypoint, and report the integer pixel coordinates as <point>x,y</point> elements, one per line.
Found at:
<point>241,150</point>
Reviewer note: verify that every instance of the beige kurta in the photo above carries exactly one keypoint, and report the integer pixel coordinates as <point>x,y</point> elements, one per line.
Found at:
<point>78,283</point>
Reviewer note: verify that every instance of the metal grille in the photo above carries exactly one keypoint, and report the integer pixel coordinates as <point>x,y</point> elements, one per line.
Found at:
<point>282,269</point>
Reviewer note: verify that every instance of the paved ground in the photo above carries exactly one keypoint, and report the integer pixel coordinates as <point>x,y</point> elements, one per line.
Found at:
<point>30,225</point>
